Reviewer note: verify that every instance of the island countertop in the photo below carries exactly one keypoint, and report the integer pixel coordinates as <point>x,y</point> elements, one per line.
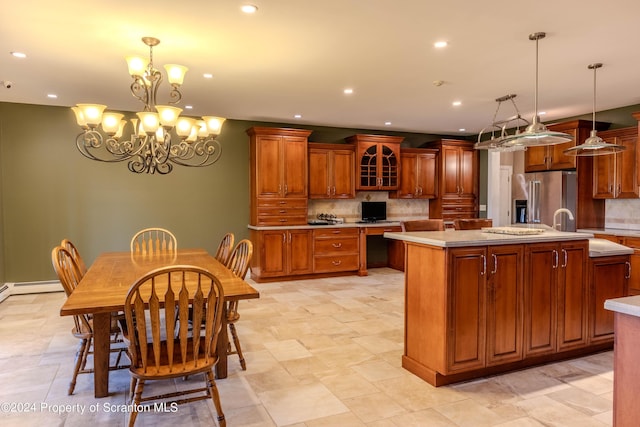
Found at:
<point>462,238</point>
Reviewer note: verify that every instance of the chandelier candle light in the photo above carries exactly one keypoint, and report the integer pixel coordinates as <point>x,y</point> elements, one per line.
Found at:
<point>151,147</point>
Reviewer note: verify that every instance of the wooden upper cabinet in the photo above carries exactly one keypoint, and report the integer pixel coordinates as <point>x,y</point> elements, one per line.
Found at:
<point>552,157</point>
<point>377,161</point>
<point>616,176</point>
<point>457,180</point>
<point>418,174</point>
<point>331,171</point>
<point>279,165</point>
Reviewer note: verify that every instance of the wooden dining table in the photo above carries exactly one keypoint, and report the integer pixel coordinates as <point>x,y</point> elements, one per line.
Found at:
<point>104,287</point>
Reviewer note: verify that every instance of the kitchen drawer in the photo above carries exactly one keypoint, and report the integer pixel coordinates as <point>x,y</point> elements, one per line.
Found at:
<point>333,232</point>
<point>333,263</point>
<point>270,220</point>
<point>282,211</point>
<point>335,245</point>
<point>281,203</point>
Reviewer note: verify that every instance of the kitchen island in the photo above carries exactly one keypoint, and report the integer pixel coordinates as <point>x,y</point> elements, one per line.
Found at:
<point>480,303</point>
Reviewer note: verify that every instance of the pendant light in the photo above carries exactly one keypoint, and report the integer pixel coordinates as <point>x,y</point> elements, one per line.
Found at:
<point>536,134</point>
<point>495,143</point>
<point>594,145</point>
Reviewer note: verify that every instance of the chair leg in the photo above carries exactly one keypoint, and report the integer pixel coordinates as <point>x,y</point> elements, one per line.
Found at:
<point>80,355</point>
<point>136,402</point>
<point>87,350</point>
<point>215,396</point>
<point>132,388</point>
<point>236,343</point>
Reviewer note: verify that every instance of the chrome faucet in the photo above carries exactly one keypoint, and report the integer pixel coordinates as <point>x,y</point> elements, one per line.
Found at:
<point>557,225</point>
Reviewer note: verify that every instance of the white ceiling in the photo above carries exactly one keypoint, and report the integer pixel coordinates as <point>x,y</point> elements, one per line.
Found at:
<point>297,56</point>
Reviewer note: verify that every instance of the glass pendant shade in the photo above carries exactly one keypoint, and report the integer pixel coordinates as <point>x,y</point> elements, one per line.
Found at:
<point>175,73</point>
<point>594,146</point>
<point>536,134</point>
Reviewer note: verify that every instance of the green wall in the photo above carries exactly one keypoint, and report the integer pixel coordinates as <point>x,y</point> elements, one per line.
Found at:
<point>49,191</point>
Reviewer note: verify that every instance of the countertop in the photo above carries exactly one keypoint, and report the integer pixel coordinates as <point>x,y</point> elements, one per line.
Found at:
<point>612,231</point>
<point>465,238</point>
<point>625,305</point>
<point>343,225</point>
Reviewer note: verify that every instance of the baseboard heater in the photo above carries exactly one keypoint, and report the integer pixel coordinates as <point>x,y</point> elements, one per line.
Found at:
<point>22,288</point>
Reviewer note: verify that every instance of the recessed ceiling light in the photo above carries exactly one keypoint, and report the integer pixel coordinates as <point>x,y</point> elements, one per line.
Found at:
<point>249,8</point>
<point>387,123</point>
<point>297,116</point>
<point>19,54</point>
<point>456,103</point>
<point>462,130</point>
<point>52,96</point>
<point>542,113</point>
<point>440,44</point>
<point>348,91</point>
<point>188,107</point>
<point>207,75</point>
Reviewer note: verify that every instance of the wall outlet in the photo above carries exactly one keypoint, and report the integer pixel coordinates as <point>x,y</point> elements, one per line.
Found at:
<point>483,208</point>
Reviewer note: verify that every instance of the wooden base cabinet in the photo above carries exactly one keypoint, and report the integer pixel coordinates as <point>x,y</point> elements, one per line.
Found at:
<point>608,279</point>
<point>281,253</point>
<point>555,297</point>
<point>474,311</point>
<point>335,250</point>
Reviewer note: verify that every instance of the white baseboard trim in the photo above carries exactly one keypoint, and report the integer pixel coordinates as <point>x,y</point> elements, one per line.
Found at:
<point>22,288</point>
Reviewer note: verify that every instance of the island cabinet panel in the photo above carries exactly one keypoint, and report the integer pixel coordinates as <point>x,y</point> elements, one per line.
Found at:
<point>466,302</point>
<point>608,279</point>
<point>572,295</point>
<point>540,299</point>
<point>425,311</point>
<point>555,297</point>
<point>504,304</point>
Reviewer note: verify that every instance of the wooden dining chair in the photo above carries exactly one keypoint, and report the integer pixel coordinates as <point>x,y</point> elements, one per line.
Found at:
<point>423,225</point>
<point>472,223</point>
<point>69,246</point>
<point>69,274</point>
<point>224,248</point>
<point>161,344</point>
<point>239,264</point>
<point>153,241</point>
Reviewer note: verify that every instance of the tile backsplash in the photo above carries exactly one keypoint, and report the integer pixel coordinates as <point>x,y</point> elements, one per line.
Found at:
<point>623,214</point>
<point>349,209</point>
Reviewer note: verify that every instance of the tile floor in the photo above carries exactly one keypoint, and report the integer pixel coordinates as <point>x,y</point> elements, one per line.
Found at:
<point>320,352</point>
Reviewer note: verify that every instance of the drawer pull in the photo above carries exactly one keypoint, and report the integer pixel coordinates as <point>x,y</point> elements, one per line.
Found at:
<point>336,262</point>
<point>336,245</point>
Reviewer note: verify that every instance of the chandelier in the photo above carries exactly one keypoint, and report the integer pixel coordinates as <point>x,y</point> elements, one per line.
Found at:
<point>151,147</point>
<point>500,126</point>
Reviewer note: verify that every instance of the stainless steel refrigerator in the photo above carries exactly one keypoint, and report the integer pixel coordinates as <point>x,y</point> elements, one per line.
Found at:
<point>546,192</point>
